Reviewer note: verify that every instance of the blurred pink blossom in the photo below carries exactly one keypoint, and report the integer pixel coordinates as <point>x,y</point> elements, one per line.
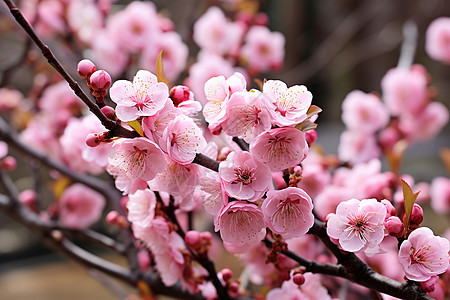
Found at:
<point>80,207</point>
<point>141,207</point>
<point>440,195</point>
<point>437,42</point>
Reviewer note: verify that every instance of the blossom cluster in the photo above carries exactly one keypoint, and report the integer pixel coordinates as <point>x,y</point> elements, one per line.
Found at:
<point>269,181</point>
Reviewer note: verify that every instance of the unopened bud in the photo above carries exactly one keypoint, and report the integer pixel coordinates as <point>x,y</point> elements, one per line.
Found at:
<point>108,111</point>
<point>92,140</point>
<point>261,19</point>
<point>111,217</point>
<point>394,226</point>
<point>429,285</point>
<point>193,239</point>
<point>390,209</point>
<point>298,279</point>
<point>9,163</point>
<point>310,136</point>
<point>227,274</point>
<point>28,198</point>
<point>100,80</point>
<point>179,94</point>
<point>416,215</point>
<point>233,287</point>
<point>85,68</point>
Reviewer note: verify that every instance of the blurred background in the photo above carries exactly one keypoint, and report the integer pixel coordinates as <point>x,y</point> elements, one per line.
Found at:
<point>332,47</point>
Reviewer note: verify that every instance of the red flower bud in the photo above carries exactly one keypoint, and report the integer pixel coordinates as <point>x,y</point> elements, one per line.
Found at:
<point>100,80</point>
<point>85,68</point>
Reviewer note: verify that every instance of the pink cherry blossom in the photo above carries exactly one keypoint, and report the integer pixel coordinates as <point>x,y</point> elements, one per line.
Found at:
<point>357,147</point>
<point>364,112</point>
<point>142,97</point>
<point>174,54</point>
<point>437,42</point>
<point>440,195</point>
<point>9,99</point>
<point>182,140</point>
<point>263,50</point>
<point>241,226</point>
<point>137,158</point>
<point>124,183</point>
<point>314,179</point>
<point>248,115</point>
<point>3,149</point>
<point>141,207</point>
<point>85,18</point>
<point>327,201</point>
<point>214,33</point>
<point>358,225</point>
<point>170,264</point>
<point>80,207</point>
<point>76,153</point>
<point>243,177</point>
<point>176,179</point>
<point>155,236</point>
<point>212,194</point>
<point>280,148</point>
<point>206,67</point>
<point>135,25</point>
<point>218,91</point>
<point>107,53</point>
<point>154,126</point>
<point>423,255</point>
<point>291,103</point>
<point>288,212</point>
<point>312,289</point>
<point>404,91</point>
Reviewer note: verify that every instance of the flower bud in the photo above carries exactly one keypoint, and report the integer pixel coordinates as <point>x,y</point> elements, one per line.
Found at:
<point>394,226</point>
<point>100,80</point>
<point>92,140</point>
<point>193,239</point>
<point>9,163</point>
<point>390,209</point>
<point>311,137</point>
<point>28,198</point>
<point>85,68</point>
<point>123,204</point>
<point>108,111</point>
<point>111,217</point>
<point>179,94</point>
<point>429,285</point>
<point>144,260</point>
<point>298,279</point>
<point>234,287</point>
<point>227,274</point>
<point>416,215</point>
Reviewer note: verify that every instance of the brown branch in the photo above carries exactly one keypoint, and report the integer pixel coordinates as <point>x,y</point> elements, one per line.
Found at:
<point>206,162</point>
<point>113,126</point>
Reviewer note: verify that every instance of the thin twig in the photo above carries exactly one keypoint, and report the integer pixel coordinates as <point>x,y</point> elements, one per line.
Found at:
<point>113,126</point>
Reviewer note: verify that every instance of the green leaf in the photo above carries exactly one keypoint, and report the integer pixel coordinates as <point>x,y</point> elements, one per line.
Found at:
<point>160,70</point>
<point>410,198</point>
<point>136,126</point>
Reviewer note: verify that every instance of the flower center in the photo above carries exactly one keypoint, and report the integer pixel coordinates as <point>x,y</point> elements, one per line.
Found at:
<point>244,176</point>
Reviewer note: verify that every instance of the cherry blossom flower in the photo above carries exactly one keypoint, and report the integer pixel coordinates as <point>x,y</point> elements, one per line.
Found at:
<point>137,158</point>
<point>440,195</point>
<point>364,112</point>
<point>176,179</point>
<point>141,207</point>
<point>182,140</point>
<point>9,99</point>
<point>357,224</point>
<point>404,91</point>
<point>135,25</point>
<point>280,148</point>
<point>288,212</point>
<point>424,255</point>
<point>80,207</point>
<point>155,236</point>
<point>357,147</point>
<point>243,177</point>
<point>85,18</point>
<point>437,42</point>
<point>312,289</point>
<point>218,91</point>
<point>76,153</point>
<point>107,53</point>
<point>154,126</point>
<point>214,33</point>
<point>241,226</point>
<point>248,115</point>
<point>291,103</point>
<point>263,50</point>
<point>124,183</point>
<point>212,194</point>
<point>207,66</point>
<point>145,96</point>
<point>174,54</point>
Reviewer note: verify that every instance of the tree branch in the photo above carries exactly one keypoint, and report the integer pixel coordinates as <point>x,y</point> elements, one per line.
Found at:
<point>113,126</point>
